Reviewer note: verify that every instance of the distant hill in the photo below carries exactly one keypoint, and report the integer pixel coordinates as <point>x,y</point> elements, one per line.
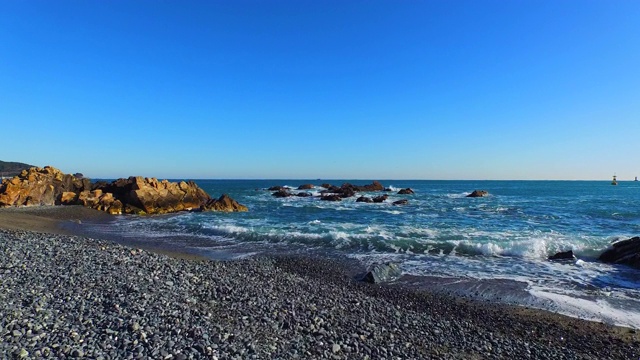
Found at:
<point>9,169</point>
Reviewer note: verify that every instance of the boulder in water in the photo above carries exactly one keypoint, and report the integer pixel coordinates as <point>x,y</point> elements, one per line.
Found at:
<point>401,202</point>
<point>364,199</point>
<point>626,252</point>
<point>407,191</point>
<point>305,187</point>
<point>224,203</point>
<point>282,193</point>
<point>331,198</point>
<point>381,198</point>
<point>478,193</point>
<point>564,255</point>
<point>382,273</point>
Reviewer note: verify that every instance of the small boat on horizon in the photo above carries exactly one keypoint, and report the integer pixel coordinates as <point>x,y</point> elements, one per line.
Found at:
<point>614,181</point>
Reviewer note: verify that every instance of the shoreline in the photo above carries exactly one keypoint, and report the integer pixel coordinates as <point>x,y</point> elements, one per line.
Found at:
<point>433,319</point>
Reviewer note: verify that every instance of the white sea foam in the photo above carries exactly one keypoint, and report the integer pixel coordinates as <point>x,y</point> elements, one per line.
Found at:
<point>598,309</point>
<point>457,195</point>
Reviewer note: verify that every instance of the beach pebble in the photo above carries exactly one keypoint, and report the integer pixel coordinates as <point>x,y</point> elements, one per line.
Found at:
<point>92,298</point>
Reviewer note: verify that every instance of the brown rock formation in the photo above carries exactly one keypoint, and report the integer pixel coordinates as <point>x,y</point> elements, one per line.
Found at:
<point>305,187</point>
<point>224,203</point>
<point>135,195</point>
<point>40,186</point>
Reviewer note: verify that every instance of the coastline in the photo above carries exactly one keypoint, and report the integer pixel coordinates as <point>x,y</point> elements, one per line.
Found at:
<point>276,306</point>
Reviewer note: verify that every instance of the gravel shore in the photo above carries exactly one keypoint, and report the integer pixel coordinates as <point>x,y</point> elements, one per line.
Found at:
<point>68,297</point>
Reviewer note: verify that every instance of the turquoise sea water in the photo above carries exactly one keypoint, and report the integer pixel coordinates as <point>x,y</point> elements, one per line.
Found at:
<point>441,233</point>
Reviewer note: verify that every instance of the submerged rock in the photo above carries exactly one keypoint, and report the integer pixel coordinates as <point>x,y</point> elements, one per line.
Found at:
<point>382,273</point>
<point>364,199</point>
<point>401,202</point>
<point>407,191</point>
<point>565,255</point>
<point>626,252</point>
<point>478,193</point>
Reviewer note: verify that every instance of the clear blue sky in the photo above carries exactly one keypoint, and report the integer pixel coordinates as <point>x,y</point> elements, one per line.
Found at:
<point>323,89</point>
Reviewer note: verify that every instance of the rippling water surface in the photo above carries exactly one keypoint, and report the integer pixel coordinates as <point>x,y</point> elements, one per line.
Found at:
<point>440,233</point>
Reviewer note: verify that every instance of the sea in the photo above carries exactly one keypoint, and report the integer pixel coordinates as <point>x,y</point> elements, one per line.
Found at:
<point>493,248</point>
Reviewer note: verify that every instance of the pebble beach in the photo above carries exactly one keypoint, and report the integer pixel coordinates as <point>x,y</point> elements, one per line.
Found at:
<point>66,296</point>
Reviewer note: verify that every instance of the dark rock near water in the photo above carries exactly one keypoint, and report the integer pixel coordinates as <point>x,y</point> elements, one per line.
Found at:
<point>565,255</point>
<point>331,198</point>
<point>283,193</point>
<point>303,194</point>
<point>626,252</point>
<point>305,187</point>
<point>278,188</point>
<point>401,202</point>
<point>387,189</point>
<point>478,193</point>
<point>380,199</point>
<point>383,273</point>
<point>407,191</point>
<point>364,199</point>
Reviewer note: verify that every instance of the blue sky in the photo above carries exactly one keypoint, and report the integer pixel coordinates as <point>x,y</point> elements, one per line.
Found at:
<point>323,89</point>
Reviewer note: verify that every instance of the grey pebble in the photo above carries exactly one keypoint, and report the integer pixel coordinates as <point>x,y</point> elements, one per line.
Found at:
<point>79,297</point>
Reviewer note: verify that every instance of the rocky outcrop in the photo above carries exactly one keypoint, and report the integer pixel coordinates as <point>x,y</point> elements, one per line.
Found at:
<point>364,199</point>
<point>407,191</point>
<point>626,252</point>
<point>478,193</point>
<point>383,273</point>
<point>135,195</point>
<point>304,194</point>
<point>305,187</point>
<point>224,203</point>
<point>564,255</point>
<point>401,202</point>
<point>40,186</point>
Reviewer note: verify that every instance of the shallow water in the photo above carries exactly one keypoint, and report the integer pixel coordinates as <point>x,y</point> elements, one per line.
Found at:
<point>505,237</point>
